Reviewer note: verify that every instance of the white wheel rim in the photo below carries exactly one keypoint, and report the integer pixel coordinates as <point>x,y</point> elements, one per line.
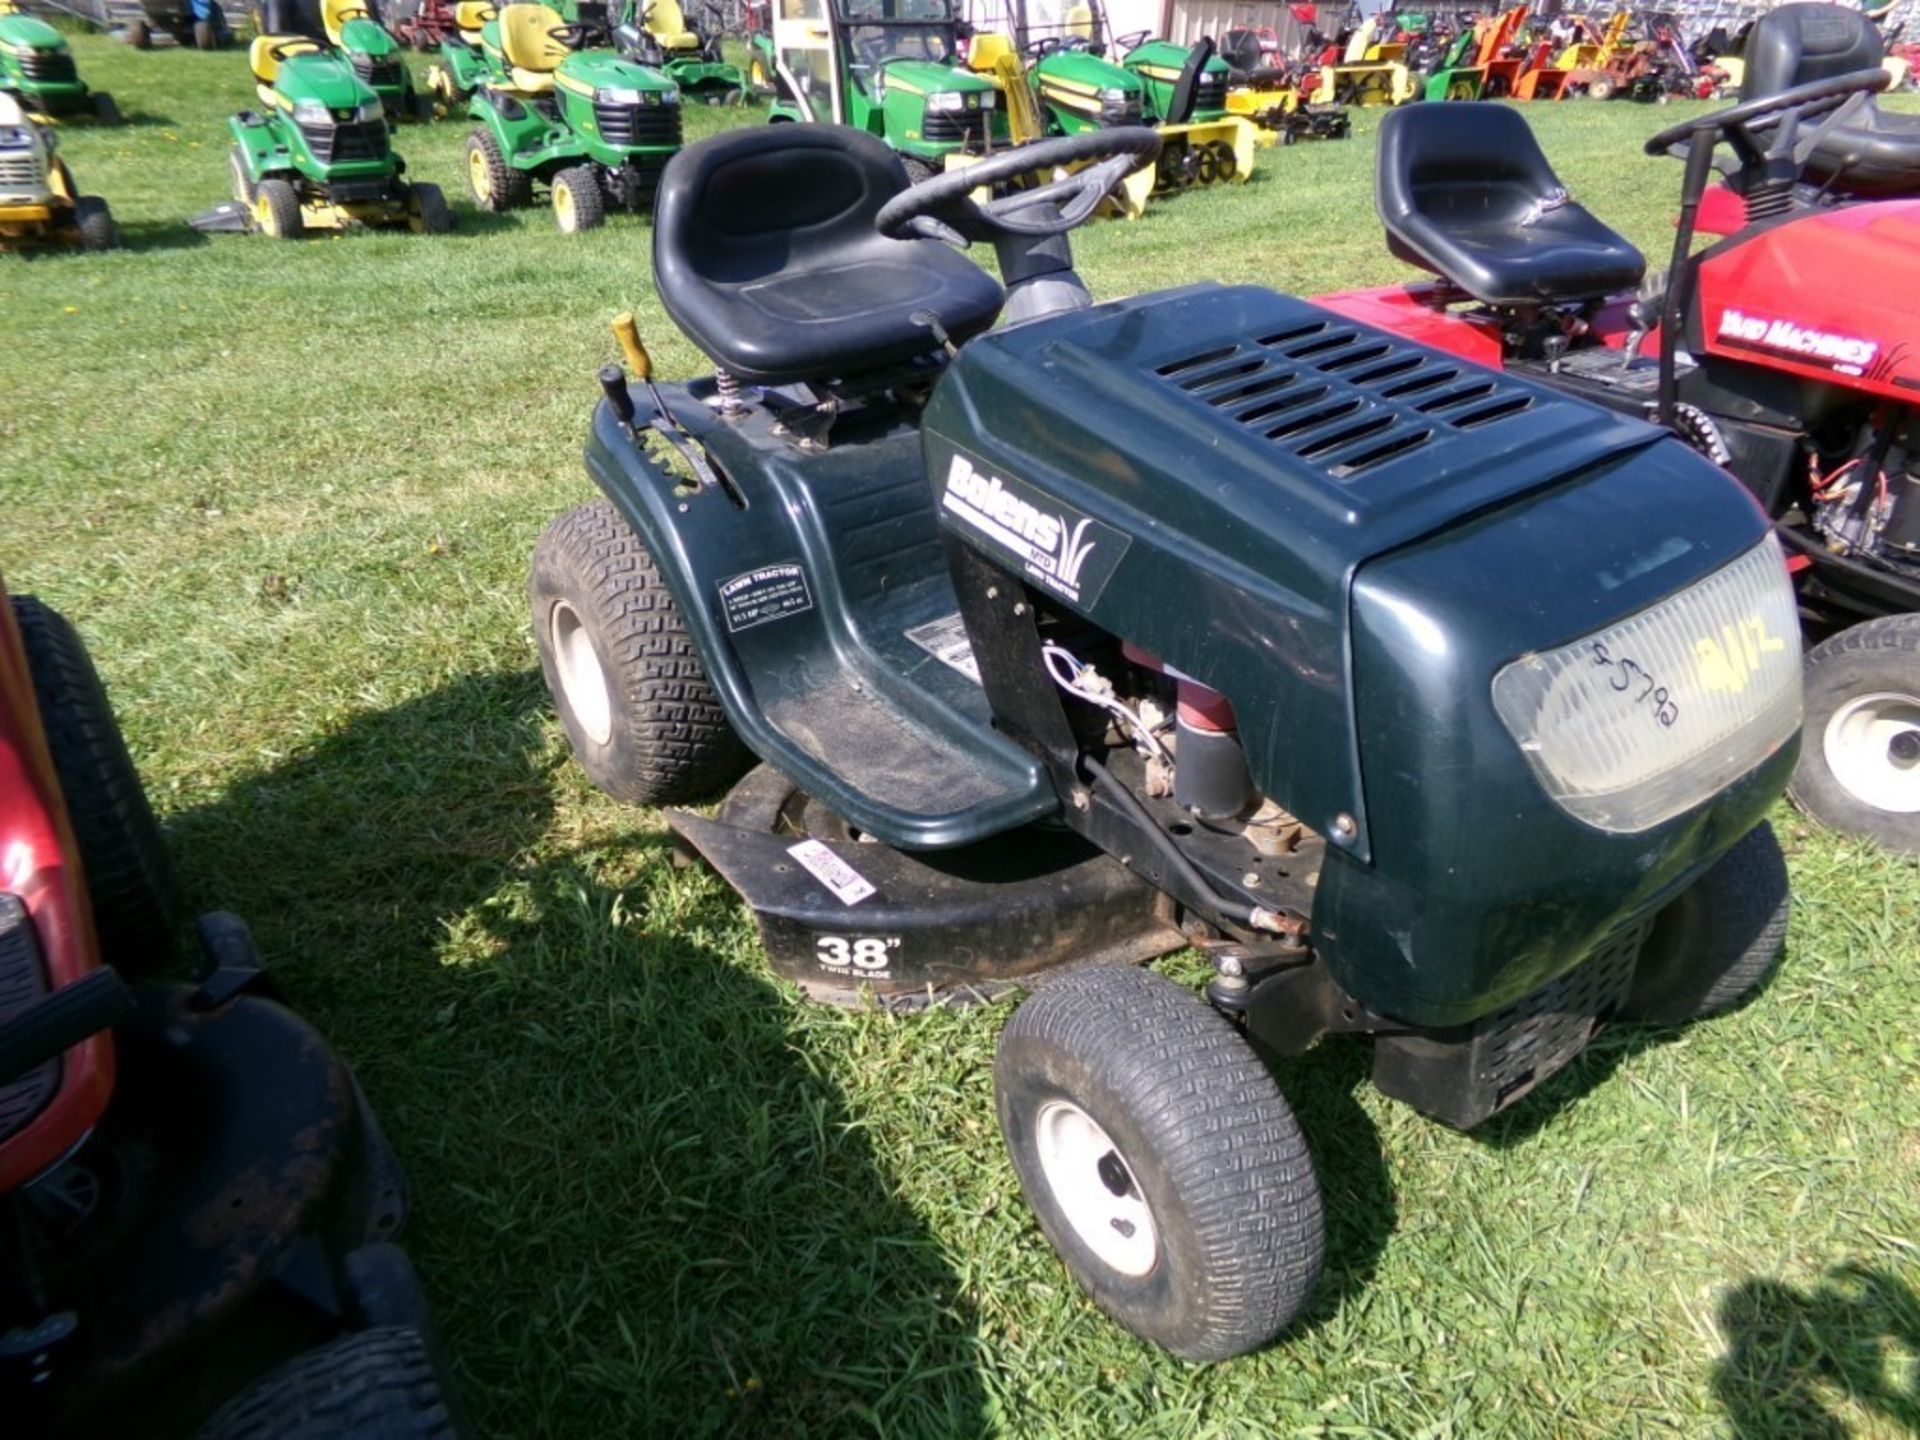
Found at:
<point>583,680</point>
<point>1862,745</point>
<point>1095,1188</point>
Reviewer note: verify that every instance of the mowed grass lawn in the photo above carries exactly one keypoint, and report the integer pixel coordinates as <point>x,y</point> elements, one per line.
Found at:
<point>288,491</point>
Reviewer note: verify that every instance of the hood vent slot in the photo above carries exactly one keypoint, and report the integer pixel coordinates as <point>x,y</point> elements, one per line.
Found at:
<point>1342,397</point>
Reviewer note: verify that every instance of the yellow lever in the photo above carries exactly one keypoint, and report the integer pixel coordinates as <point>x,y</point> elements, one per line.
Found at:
<point>628,334</point>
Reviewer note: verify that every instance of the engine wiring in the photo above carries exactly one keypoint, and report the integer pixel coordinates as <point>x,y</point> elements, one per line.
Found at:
<point>1086,683</point>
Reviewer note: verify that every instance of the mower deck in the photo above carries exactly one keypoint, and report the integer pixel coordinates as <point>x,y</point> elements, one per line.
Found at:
<point>847,918</point>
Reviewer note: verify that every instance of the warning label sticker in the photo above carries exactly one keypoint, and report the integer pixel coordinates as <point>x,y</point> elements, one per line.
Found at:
<point>848,885</point>
<point>946,640</point>
<point>772,592</point>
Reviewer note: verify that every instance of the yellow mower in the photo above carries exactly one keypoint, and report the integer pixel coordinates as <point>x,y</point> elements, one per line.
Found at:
<point>1355,79</point>
<point>39,203</point>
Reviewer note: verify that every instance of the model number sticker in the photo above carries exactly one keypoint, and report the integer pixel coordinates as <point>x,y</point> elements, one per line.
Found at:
<point>1641,687</point>
<point>848,885</point>
<point>868,954</point>
<point>946,640</point>
<point>772,592</point>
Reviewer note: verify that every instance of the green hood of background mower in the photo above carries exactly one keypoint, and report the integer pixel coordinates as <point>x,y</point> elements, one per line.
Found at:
<point>367,37</point>
<point>25,32</point>
<point>325,78</point>
<point>929,77</point>
<point>604,70</point>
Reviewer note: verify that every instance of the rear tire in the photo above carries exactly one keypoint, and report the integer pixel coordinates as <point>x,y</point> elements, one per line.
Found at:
<point>1716,945</point>
<point>1161,1161</point>
<point>430,213</point>
<point>140,35</point>
<point>105,110</point>
<point>1858,771</point>
<point>276,210</point>
<point>94,221</point>
<point>130,881</point>
<point>379,1384</point>
<point>1601,87</point>
<point>577,202</point>
<point>495,184</point>
<point>632,694</point>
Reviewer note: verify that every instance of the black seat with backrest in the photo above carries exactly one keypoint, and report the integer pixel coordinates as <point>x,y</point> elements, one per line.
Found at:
<point>764,253</point>
<point>1465,191</point>
<point>1873,151</point>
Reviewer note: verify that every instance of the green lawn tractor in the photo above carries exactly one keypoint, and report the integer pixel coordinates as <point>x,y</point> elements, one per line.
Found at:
<point>1454,75</point>
<point>464,62</point>
<point>592,126</point>
<point>891,68</point>
<point>318,155</point>
<point>657,33</point>
<point>37,65</point>
<point>1068,634</point>
<point>378,59</point>
<point>1080,90</point>
<point>39,203</point>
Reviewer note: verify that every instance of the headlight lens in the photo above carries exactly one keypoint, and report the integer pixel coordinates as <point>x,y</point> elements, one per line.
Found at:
<point>372,110</point>
<point>989,99</point>
<point>946,100</point>
<point>311,112</point>
<point>1113,95</point>
<point>1633,724</point>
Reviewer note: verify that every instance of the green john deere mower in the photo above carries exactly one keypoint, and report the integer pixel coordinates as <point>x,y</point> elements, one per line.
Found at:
<point>593,127</point>
<point>891,68</point>
<point>37,65</point>
<point>464,62</point>
<point>318,155</point>
<point>659,33</point>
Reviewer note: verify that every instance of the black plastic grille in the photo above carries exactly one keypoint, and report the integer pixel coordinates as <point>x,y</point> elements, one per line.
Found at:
<point>637,124</point>
<point>1537,1034</point>
<point>50,67</point>
<point>1341,397</point>
<point>362,140</point>
<point>966,127</point>
<point>380,74</point>
<point>21,984</point>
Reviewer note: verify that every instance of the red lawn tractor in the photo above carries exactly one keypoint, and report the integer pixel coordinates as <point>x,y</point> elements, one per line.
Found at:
<point>193,1191</point>
<point>1789,353</point>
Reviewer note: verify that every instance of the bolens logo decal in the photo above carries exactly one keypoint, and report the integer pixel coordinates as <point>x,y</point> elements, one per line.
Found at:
<point>1847,354</point>
<point>1071,555</point>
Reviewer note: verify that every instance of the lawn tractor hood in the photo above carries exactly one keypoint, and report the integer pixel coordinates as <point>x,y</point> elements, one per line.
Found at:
<point>945,87</point>
<point>1395,565</point>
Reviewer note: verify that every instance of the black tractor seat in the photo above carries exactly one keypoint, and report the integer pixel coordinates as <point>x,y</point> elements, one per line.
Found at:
<point>1872,151</point>
<point>1465,191</point>
<point>764,253</point>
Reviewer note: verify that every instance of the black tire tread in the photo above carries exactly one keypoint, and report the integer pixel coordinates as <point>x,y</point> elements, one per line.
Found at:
<point>377,1385</point>
<point>507,188</point>
<point>686,746</point>
<point>1192,1083</point>
<point>1716,945</point>
<point>130,878</point>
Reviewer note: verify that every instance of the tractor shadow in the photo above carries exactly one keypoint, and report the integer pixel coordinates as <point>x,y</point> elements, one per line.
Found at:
<point>146,235</point>
<point>1795,1357</point>
<point>642,1204</point>
<point>1356,1190</point>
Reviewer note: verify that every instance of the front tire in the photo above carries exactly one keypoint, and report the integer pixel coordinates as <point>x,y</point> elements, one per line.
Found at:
<point>1859,767</point>
<point>94,221</point>
<point>131,887</point>
<point>1715,946</point>
<point>276,210</point>
<point>380,1384</point>
<point>577,202</point>
<point>633,697</point>
<point>1161,1161</point>
<point>430,213</point>
<point>104,110</point>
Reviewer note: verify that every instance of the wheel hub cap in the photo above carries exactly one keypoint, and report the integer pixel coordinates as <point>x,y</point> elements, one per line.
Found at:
<point>1095,1188</point>
<point>1872,746</point>
<point>583,681</point>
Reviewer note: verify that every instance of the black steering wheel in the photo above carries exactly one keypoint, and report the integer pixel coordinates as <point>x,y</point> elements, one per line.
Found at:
<point>576,36</point>
<point>1132,41</point>
<point>943,208</point>
<point>1780,114</point>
